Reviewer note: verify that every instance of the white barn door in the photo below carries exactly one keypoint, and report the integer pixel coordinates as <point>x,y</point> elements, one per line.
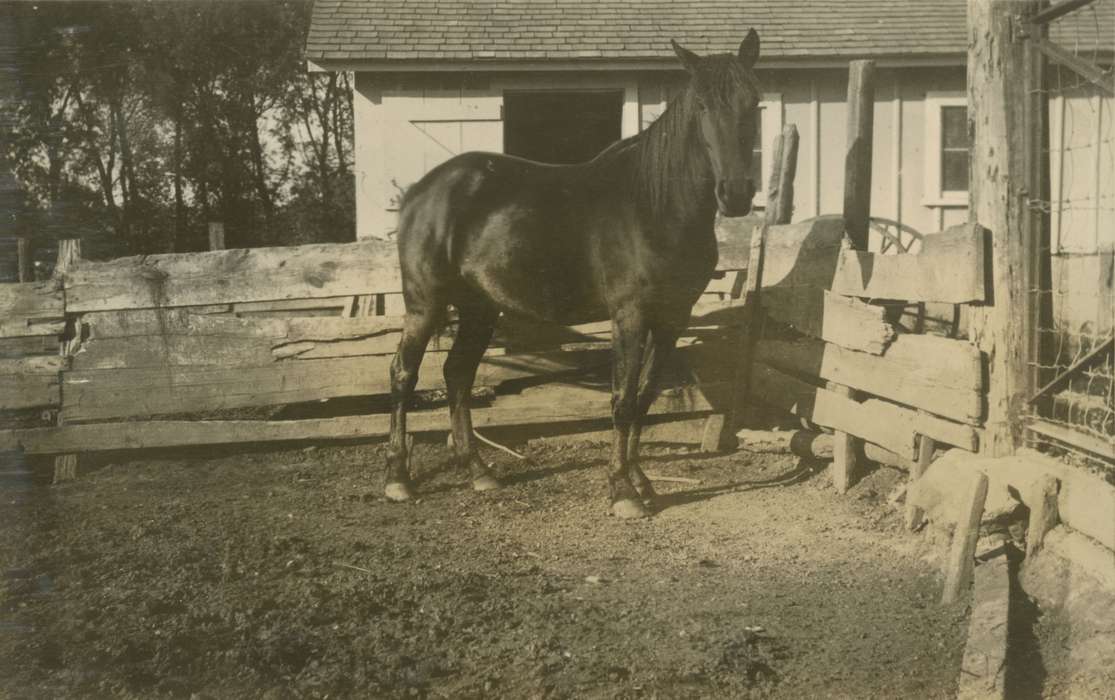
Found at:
<point>403,132</point>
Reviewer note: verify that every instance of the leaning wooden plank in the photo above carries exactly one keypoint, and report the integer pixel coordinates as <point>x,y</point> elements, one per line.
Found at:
<point>854,325</point>
<point>940,375</point>
<point>548,404</point>
<point>30,309</point>
<point>117,393</point>
<point>243,275</point>
<point>949,268</point>
<point>961,554</point>
<point>28,391</point>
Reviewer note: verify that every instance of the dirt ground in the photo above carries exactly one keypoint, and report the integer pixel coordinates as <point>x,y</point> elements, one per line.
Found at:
<point>281,573</point>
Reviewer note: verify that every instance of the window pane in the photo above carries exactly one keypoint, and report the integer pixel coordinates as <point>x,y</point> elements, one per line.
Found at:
<point>954,171</point>
<point>954,127</point>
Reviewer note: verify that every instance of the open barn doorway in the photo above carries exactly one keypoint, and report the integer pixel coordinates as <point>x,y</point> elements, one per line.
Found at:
<point>561,126</point>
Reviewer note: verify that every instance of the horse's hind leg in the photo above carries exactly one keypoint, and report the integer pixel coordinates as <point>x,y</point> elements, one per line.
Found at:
<point>474,332</point>
<point>418,326</point>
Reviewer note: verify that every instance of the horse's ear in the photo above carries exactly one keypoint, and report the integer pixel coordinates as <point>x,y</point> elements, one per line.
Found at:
<point>749,49</point>
<point>688,59</point>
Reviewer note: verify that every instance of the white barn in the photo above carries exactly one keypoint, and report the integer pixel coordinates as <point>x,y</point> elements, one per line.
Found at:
<point>559,79</point>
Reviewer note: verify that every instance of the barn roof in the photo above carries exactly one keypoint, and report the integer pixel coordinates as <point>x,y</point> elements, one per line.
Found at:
<point>414,32</point>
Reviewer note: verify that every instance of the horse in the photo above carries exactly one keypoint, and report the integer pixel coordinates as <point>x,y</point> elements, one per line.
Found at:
<point>627,236</point>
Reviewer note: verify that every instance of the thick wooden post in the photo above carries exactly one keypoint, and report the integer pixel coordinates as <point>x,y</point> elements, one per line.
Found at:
<point>857,212</point>
<point>780,191</point>
<point>857,161</point>
<point>23,259</point>
<point>216,235</point>
<point>69,252</point>
<point>1006,117</point>
<point>915,516</point>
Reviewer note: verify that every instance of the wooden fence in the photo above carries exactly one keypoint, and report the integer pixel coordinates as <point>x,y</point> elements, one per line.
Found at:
<point>204,348</point>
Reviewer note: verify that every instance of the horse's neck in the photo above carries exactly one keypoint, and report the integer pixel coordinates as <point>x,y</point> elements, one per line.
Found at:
<point>681,200</point>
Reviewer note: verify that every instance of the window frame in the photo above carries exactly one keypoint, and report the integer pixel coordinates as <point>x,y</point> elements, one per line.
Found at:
<point>935,195</point>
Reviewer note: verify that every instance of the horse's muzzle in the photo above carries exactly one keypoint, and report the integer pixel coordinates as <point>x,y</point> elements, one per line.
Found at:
<point>734,200</point>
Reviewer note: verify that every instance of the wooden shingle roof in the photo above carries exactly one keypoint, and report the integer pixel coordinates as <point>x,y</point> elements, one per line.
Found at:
<point>412,32</point>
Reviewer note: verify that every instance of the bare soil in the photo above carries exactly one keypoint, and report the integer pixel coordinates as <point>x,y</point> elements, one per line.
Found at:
<point>280,573</point>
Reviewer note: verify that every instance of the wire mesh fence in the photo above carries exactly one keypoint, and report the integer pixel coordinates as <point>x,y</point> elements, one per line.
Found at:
<point>1074,366</point>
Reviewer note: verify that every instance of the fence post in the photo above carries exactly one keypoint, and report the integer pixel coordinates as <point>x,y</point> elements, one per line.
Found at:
<point>69,253</point>
<point>23,259</point>
<point>847,449</point>
<point>779,210</point>
<point>1006,117</point>
<point>216,235</point>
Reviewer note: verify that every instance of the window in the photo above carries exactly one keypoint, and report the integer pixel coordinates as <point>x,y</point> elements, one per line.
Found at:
<point>947,149</point>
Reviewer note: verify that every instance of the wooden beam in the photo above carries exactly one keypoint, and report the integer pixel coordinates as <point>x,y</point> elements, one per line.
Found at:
<point>1006,107</point>
<point>940,375</point>
<point>846,462</point>
<point>1054,11</point>
<point>949,268</point>
<point>551,403</point>
<point>1101,79</point>
<point>962,551</point>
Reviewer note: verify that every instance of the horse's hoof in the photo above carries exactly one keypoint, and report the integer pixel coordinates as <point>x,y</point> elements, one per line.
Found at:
<point>398,492</point>
<point>486,483</point>
<point>629,509</point>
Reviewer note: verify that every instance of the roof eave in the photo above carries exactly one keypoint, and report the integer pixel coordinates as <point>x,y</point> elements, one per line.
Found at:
<point>613,64</point>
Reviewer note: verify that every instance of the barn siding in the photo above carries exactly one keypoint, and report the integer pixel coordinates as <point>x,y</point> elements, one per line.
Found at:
<point>405,125</point>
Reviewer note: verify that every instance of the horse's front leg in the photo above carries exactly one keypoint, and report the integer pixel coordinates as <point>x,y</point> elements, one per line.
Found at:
<point>659,350</point>
<point>629,336</point>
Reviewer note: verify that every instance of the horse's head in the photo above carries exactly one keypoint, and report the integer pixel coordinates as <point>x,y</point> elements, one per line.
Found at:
<point>726,95</point>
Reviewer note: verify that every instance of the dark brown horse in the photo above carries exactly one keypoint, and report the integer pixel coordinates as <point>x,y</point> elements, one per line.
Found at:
<point>627,236</point>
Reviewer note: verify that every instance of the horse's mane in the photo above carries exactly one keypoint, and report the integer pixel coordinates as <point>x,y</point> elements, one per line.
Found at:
<point>666,156</point>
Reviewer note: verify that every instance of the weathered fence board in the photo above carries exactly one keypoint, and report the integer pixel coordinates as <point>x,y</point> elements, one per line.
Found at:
<point>241,275</point>
<point>799,261</point>
<point>800,398</point>
<point>939,375</point>
<point>118,393</point>
<point>28,391</point>
<point>949,268</point>
<point>551,403</point>
<point>30,309</point>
